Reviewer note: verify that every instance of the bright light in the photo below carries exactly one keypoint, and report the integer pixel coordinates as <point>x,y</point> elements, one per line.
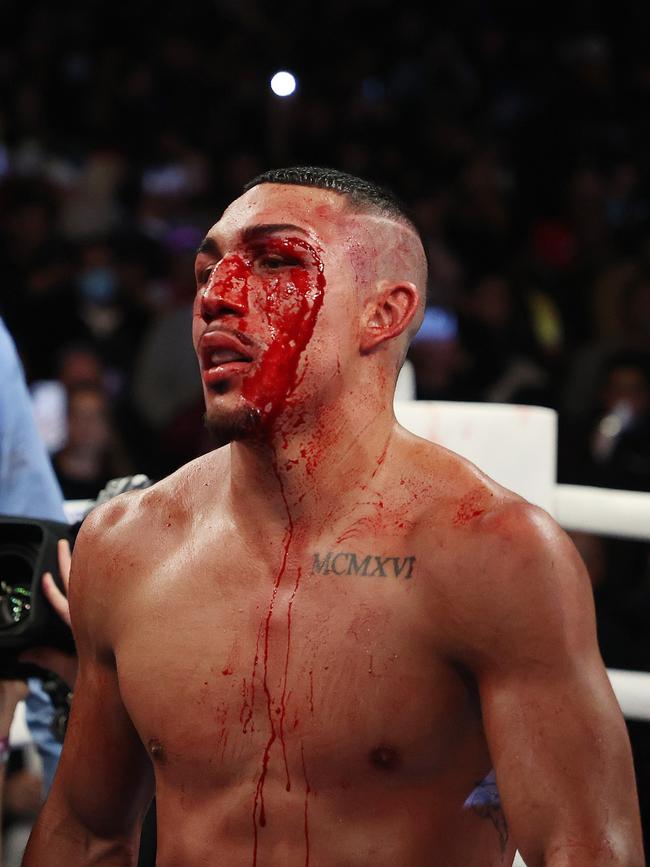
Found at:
<point>283,84</point>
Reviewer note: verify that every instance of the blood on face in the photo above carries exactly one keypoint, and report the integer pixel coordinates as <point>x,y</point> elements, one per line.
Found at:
<point>276,290</point>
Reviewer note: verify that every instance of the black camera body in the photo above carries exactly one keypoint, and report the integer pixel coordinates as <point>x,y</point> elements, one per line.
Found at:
<point>28,548</point>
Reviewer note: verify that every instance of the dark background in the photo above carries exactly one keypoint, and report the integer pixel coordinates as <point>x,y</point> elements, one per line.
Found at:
<point>518,134</point>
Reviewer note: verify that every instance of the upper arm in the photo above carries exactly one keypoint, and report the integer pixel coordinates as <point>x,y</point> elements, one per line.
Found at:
<point>554,729</point>
<point>104,776</point>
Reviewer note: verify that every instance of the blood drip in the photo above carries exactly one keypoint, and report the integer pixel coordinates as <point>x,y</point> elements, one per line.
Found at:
<point>246,715</point>
<point>291,309</point>
<point>307,792</point>
<point>259,790</point>
<point>381,459</point>
<point>283,700</point>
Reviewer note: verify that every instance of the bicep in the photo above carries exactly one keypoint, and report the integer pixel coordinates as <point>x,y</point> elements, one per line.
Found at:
<point>561,755</point>
<point>555,732</point>
<point>105,776</point>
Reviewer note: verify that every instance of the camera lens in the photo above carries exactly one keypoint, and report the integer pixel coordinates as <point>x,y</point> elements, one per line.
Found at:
<point>16,571</point>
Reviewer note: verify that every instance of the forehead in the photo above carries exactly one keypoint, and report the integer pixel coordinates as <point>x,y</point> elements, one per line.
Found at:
<point>323,214</point>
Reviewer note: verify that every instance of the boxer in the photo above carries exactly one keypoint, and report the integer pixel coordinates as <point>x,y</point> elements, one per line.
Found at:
<point>328,642</point>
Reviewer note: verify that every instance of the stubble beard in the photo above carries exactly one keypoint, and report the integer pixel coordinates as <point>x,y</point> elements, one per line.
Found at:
<point>227,426</point>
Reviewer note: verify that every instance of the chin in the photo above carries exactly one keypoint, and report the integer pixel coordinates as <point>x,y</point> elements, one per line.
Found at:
<point>228,424</point>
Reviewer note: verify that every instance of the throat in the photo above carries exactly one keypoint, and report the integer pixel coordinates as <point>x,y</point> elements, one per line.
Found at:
<point>317,476</point>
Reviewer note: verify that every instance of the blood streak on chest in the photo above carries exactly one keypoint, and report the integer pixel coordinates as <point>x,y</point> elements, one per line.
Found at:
<point>291,308</point>
<point>259,813</point>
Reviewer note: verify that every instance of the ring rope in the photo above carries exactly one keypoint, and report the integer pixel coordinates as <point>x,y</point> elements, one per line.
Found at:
<point>603,511</point>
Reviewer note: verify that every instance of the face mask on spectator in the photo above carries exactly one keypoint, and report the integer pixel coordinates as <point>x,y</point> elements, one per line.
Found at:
<point>98,285</point>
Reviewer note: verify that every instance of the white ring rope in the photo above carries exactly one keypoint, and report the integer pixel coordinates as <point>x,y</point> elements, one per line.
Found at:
<point>603,511</point>
<point>632,689</point>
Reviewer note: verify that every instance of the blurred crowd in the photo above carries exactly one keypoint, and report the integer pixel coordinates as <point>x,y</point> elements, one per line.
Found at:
<point>522,150</point>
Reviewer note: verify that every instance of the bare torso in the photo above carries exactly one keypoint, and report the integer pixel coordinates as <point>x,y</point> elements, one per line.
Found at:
<point>310,637</point>
<point>301,707</point>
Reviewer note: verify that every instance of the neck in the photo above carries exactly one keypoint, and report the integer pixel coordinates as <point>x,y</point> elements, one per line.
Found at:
<point>313,472</point>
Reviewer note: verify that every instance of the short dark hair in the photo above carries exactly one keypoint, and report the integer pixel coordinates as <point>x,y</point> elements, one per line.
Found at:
<point>360,193</point>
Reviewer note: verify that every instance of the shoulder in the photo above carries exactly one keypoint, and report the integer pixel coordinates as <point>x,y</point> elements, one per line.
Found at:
<point>450,491</point>
<point>123,540</point>
<point>521,543</point>
<point>121,521</point>
<point>523,588</point>
<point>459,499</point>
<point>498,564</point>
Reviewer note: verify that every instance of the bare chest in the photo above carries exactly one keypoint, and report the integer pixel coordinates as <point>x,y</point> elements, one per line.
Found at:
<point>232,670</point>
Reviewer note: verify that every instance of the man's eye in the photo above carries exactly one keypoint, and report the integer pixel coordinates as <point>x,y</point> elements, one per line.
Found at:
<point>204,275</point>
<point>274,262</point>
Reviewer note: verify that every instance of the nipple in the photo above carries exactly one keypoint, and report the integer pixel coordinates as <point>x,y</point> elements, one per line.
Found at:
<point>385,758</point>
<point>156,749</point>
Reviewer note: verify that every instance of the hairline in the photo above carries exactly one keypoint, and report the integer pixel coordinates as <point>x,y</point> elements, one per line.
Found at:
<point>355,202</point>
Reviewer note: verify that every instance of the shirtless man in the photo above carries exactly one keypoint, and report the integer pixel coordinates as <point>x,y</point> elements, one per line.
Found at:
<point>320,642</point>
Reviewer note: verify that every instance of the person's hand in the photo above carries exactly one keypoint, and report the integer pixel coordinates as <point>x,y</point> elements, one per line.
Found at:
<point>51,658</point>
<point>23,794</point>
<point>57,599</point>
<point>11,692</point>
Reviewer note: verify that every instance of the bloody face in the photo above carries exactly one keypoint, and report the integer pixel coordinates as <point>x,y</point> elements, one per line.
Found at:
<point>291,303</point>
<point>259,293</point>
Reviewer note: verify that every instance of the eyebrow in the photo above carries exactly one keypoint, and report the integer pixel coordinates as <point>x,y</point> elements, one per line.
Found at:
<point>252,233</point>
<point>208,245</point>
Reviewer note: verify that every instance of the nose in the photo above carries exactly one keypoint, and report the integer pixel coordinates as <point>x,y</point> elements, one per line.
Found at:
<point>226,293</point>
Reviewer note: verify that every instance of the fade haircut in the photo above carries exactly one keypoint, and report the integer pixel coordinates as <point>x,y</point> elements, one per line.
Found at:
<point>361,194</point>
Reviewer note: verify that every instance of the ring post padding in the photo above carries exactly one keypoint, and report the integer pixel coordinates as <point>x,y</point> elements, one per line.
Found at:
<point>515,445</point>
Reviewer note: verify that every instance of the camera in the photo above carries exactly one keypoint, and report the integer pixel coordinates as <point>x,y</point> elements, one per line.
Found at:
<point>28,548</point>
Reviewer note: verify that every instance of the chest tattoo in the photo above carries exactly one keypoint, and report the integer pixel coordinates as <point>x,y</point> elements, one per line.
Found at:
<point>367,565</point>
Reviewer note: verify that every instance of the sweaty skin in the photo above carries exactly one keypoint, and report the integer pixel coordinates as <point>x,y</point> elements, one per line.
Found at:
<point>321,643</point>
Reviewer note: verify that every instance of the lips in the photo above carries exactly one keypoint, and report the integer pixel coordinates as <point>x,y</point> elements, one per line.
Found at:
<point>225,356</point>
<point>222,356</point>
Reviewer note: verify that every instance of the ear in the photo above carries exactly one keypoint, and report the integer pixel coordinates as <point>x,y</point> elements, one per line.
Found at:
<point>388,315</point>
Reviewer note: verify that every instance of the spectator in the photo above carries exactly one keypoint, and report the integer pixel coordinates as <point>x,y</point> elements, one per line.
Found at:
<point>92,453</point>
<point>28,488</point>
<point>611,445</point>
